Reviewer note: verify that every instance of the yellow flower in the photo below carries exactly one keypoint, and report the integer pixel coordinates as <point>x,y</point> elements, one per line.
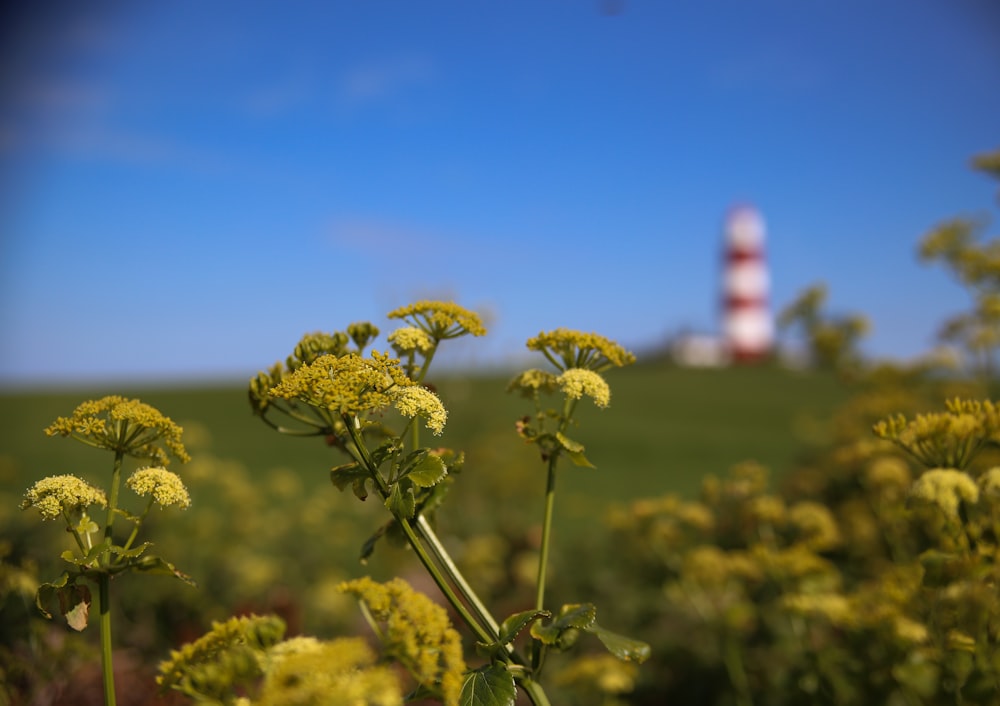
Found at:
<point>414,400</point>
<point>567,349</point>
<point>577,382</point>
<point>345,385</point>
<point>417,633</point>
<point>55,495</point>
<point>125,426</point>
<point>166,487</point>
<point>341,672</point>
<point>410,339</point>
<point>441,320</point>
<point>533,381</point>
<point>816,524</point>
<point>948,439</point>
<point>990,482</point>
<point>945,488</point>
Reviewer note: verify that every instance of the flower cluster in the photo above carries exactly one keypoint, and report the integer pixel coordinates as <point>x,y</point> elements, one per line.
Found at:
<point>348,385</point>
<point>945,488</point>
<point>413,400</point>
<point>948,439</point>
<point>409,339</point>
<point>577,382</point>
<point>417,633</point>
<point>166,487</point>
<point>567,349</point>
<point>341,672</point>
<point>226,656</point>
<point>125,426</point>
<point>56,495</point>
<point>440,320</point>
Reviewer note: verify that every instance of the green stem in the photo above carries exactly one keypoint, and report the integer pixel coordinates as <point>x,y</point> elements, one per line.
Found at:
<point>104,587</point>
<point>425,530</point>
<point>442,583</point>
<point>107,665</point>
<point>535,692</point>
<point>482,629</point>
<point>543,557</point>
<point>138,524</point>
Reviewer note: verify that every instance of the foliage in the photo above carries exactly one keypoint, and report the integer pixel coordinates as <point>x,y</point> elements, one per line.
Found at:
<point>957,244</point>
<point>832,341</point>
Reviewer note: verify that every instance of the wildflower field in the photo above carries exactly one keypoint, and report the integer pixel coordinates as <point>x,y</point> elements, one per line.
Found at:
<point>354,527</point>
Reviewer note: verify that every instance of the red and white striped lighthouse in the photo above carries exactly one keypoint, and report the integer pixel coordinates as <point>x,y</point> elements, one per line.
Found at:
<point>747,324</point>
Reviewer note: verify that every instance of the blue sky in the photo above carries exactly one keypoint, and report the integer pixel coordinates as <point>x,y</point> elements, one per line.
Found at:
<point>187,187</point>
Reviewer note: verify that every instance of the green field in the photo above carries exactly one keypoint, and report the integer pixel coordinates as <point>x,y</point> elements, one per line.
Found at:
<point>665,429</point>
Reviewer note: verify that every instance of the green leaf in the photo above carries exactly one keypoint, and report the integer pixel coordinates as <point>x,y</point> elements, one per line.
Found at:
<point>130,553</point>
<point>428,471</point>
<point>401,502</point>
<point>368,548</point>
<point>574,450</point>
<point>158,565</point>
<point>624,648</point>
<point>74,600</point>
<point>46,591</point>
<point>490,685</point>
<point>352,474</point>
<point>572,617</point>
<point>513,625</point>
<point>344,475</point>
<point>384,451</point>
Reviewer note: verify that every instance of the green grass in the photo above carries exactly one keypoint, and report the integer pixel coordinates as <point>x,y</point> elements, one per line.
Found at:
<point>665,429</point>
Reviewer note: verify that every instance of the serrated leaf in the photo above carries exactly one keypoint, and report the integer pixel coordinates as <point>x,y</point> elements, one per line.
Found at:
<point>573,616</point>
<point>401,501</point>
<point>428,472</point>
<point>131,553</point>
<point>491,685</point>
<point>624,648</point>
<point>574,450</point>
<point>577,615</point>
<point>512,626</point>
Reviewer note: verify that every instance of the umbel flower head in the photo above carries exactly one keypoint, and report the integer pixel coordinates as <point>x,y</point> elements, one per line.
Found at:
<point>125,426</point>
<point>948,439</point>
<point>165,486</point>
<point>577,382</point>
<point>417,633</point>
<point>567,349</point>
<point>410,339</point>
<point>56,495</point>
<point>945,488</point>
<point>440,320</point>
<point>354,386</point>
<point>413,400</point>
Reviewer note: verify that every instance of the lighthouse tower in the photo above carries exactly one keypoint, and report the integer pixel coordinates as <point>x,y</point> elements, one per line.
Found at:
<point>747,325</point>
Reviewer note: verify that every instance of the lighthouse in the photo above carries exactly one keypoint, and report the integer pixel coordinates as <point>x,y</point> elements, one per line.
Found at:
<point>747,324</point>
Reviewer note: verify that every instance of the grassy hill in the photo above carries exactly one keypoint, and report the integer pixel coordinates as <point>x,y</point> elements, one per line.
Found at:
<point>666,427</point>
